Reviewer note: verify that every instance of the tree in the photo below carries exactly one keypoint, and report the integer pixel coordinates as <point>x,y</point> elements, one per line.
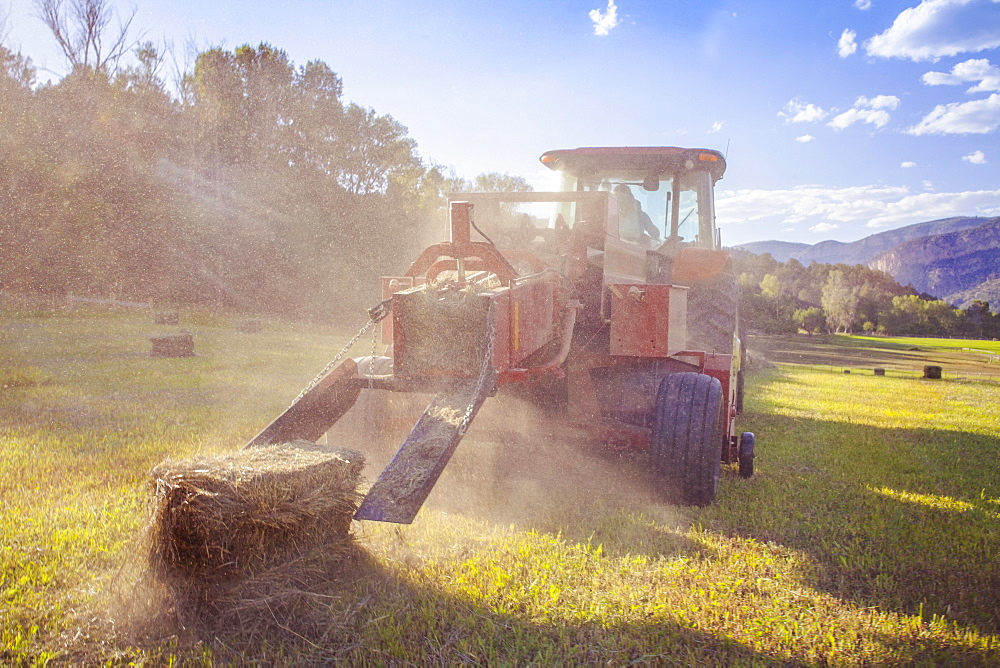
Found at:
<point>82,30</point>
<point>770,286</point>
<point>318,118</point>
<point>242,100</point>
<point>840,301</point>
<point>372,148</point>
<point>980,321</point>
<point>16,72</point>
<point>811,319</point>
<point>489,182</point>
<point>144,78</point>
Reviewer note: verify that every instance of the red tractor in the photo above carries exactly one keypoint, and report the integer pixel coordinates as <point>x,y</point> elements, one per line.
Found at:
<point>609,301</point>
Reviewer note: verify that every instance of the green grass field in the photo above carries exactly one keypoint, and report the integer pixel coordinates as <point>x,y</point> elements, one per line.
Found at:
<point>869,536</point>
<point>900,356</point>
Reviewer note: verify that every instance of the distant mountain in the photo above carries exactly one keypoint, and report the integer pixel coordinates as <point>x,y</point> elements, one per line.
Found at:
<point>863,250</point>
<point>956,259</point>
<point>946,264</point>
<point>782,251</point>
<point>988,291</point>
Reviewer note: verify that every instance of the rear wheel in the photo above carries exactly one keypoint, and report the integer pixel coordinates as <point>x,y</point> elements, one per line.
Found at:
<point>686,446</point>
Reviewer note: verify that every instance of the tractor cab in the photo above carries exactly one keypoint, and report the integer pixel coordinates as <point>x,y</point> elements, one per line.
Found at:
<point>663,195</point>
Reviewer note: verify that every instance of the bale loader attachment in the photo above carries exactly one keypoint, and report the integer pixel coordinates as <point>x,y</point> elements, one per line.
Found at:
<point>403,487</point>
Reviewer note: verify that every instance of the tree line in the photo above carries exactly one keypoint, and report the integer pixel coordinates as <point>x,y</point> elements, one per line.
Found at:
<point>783,298</point>
<point>247,182</point>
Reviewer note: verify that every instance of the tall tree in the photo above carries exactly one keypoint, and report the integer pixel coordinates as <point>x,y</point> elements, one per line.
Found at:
<point>840,301</point>
<point>82,29</point>
<point>242,99</point>
<point>371,149</point>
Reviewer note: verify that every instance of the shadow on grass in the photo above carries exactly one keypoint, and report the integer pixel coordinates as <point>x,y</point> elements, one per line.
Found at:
<point>375,614</point>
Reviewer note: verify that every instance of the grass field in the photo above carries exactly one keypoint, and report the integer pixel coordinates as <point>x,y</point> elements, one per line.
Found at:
<point>907,356</point>
<point>869,536</point>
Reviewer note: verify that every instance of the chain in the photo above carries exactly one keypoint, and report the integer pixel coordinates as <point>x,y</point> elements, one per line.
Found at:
<point>375,315</point>
<point>371,360</point>
<point>484,370</point>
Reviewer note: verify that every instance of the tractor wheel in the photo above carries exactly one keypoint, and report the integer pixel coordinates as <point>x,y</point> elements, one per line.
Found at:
<point>712,314</point>
<point>686,447</point>
<point>746,454</point>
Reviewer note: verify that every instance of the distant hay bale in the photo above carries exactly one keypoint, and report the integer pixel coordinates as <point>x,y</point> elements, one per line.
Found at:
<point>180,344</point>
<point>244,538</point>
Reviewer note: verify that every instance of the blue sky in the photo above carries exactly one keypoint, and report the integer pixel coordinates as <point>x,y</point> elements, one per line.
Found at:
<point>840,118</point>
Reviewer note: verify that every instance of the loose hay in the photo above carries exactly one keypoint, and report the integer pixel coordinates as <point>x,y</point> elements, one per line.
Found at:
<point>245,539</point>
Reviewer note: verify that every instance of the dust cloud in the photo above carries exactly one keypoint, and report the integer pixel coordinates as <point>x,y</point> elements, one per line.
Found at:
<point>515,466</point>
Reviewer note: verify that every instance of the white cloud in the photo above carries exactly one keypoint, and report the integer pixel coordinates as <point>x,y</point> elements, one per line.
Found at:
<point>878,102</point>
<point>716,127</point>
<point>806,203</point>
<point>863,4</point>
<point>605,20</point>
<point>976,117</point>
<point>976,158</point>
<point>865,110</point>
<point>934,206</point>
<point>979,70</point>
<point>939,28</point>
<point>847,45</point>
<point>796,112</point>
<point>820,228</point>
<point>805,139</point>
<point>908,164</point>
<point>870,206</point>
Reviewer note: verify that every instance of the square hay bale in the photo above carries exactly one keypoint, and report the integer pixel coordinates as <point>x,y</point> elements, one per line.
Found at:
<point>249,517</point>
<point>173,345</point>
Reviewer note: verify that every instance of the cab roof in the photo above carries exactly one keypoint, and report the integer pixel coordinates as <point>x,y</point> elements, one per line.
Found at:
<point>642,160</point>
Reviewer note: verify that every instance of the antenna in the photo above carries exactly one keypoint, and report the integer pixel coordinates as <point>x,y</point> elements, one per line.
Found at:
<point>726,156</point>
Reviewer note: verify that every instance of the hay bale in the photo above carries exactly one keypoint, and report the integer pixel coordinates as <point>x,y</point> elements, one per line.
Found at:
<point>180,344</point>
<point>238,533</point>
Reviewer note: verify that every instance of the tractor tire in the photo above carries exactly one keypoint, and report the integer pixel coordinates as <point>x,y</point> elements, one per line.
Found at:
<point>686,446</point>
<point>746,454</point>
<point>712,314</point>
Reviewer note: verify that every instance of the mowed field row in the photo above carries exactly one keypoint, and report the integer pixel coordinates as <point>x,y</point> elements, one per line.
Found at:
<point>870,534</point>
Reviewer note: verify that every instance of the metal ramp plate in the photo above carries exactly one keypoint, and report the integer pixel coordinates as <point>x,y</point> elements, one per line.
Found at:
<point>403,487</point>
